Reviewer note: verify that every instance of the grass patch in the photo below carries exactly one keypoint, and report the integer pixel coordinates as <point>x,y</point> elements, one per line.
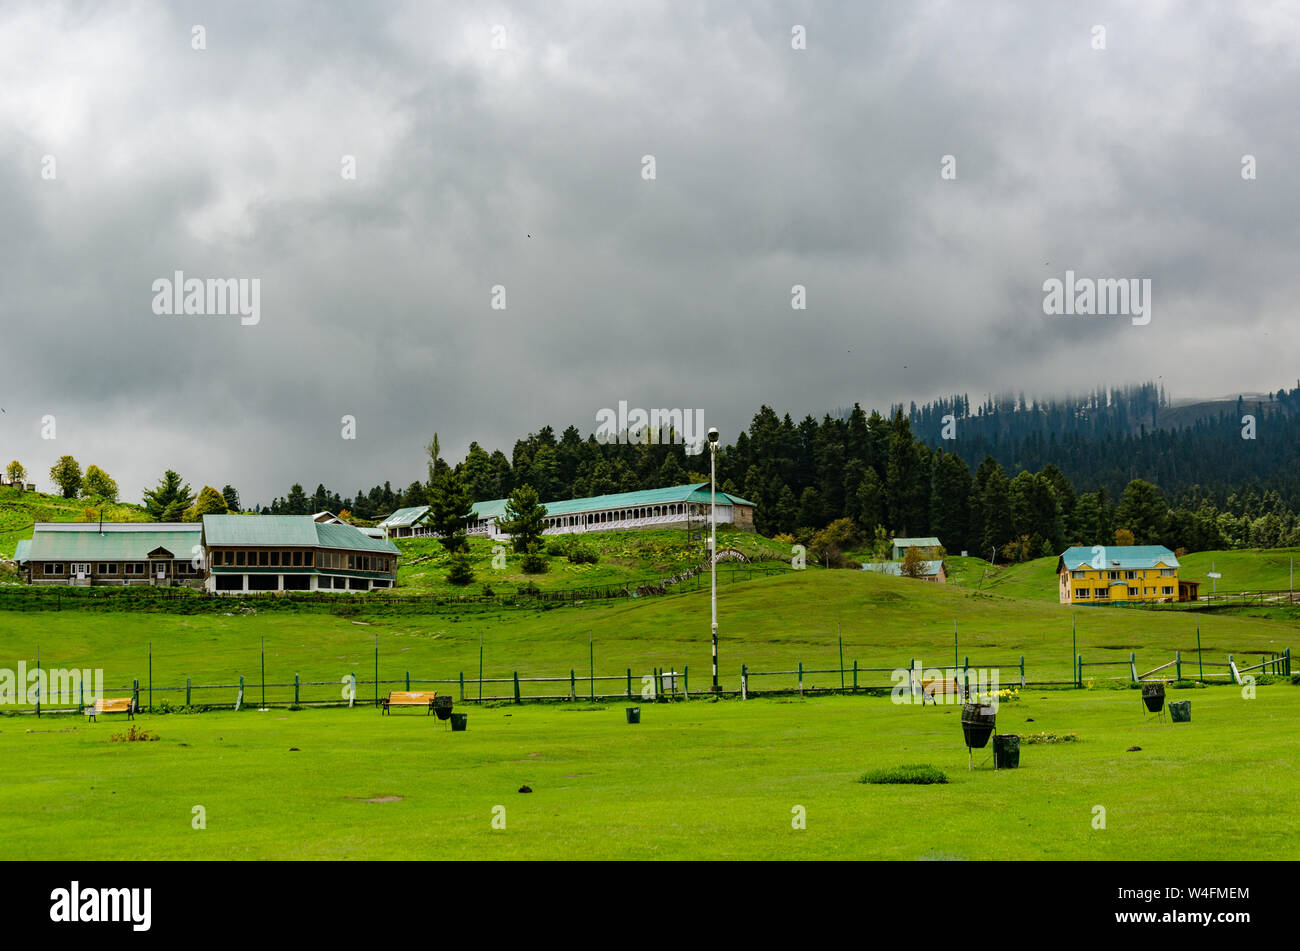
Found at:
<point>1046,736</point>
<point>915,774</point>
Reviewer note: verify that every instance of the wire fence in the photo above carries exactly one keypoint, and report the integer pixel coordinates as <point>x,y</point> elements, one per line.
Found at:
<point>912,678</point>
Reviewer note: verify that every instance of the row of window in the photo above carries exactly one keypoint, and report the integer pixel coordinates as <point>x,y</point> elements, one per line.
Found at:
<point>1104,593</point>
<point>620,515</point>
<point>111,568</point>
<point>261,558</point>
<point>1127,575</point>
<point>270,582</point>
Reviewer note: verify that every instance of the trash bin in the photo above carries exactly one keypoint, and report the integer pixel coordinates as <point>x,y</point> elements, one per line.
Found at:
<point>458,722</point>
<point>977,722</point>
<point>1006,751</point>
<point>633,714</point>
<point>1153,695</point>
<point>1180,711</point>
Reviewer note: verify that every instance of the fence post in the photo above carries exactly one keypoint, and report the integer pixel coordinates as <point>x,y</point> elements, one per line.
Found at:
<point>1022,671</point>
<point>462,686</point>
<point>1132,666</point>
<point>1178,665</point>
<point>744,681</point>
<point>1288,661</point>
<point>855,675</point>
<point>516,686</point>
<point>573,684</point>
<point>187,691</point>
<point>686,683</point>
<point>296,684</point>
<point>1232,669</point>
<point>1078,670</point>
<point>629,683</point>
<point>408,681</point>
<point>801,678</point>
<point>135,693</point>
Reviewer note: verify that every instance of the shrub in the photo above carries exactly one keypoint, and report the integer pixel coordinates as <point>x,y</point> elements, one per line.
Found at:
<point>532,562</point>
<point>459,571</point>
<point>1035,739</point>
<point>134,735</point>
<point>917,774</point>
<point>558,546</point>
<point>580,554</point>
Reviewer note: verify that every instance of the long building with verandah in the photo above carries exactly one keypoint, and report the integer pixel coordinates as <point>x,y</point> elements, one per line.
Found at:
<point>225,554</point>
<point>81,554</point>
<point>294,553</point>
<point>678,506</point>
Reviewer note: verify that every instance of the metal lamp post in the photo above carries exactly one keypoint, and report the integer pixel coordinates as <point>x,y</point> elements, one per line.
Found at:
<point>713,544</point>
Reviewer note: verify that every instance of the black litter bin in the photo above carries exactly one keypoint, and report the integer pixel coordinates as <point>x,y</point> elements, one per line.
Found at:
<point>1153,695</point>
<point>633,714</point>
<point>458,722</point>
<point>1180,711</point>
<point>977,722</point>
<point>1006,751</point>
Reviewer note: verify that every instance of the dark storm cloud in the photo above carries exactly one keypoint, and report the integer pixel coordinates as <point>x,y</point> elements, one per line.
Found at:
<point>775,167</point>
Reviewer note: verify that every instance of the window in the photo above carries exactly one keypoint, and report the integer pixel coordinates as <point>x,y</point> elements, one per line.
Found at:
<point>306,558</point>
<point>297,559</point>
<point>1132,592</point>
<point>107,568</point>
<point>1166,590</point>
<point>284,558</point>
<point>1078,574</point>
<point>1112,576</point>
<point>1166,572</point>
<point>239,559</point>
<point>53,568</point>
<point>1082,593</point>
<point>81,568</point>
<point>1102,593</point>
<point>263,559</point>
<point>275,559</point>
<point>1129,576</point>
<point>352,562</point>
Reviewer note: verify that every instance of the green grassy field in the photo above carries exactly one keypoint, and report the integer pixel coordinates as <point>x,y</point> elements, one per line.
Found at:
<point>768,624</point>
<point>696,780</point>
<point>1243,570</point>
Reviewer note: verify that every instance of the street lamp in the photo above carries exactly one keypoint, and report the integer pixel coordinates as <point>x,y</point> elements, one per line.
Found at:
<point>713,544</point>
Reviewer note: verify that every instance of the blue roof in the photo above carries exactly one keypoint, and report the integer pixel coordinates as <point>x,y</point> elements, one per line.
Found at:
<point>1116,558</point>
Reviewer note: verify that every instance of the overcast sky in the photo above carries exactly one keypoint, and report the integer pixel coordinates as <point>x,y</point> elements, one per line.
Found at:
<point>773,166</point>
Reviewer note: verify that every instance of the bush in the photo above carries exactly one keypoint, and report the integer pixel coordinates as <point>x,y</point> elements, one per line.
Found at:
<point>1035,739</point>
<point>459,571</point>
<point>917,774</point>
<point>558,546</point>
<point>532,562</point>
<point>580,554</point>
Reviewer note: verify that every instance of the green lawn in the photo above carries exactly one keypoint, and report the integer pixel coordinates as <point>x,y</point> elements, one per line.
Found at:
<point>769,624</point>
<point>693,780</point>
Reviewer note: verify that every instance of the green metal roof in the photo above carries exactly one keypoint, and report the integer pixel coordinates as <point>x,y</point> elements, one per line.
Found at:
<point>1117,557</point>
<point>496,508</point>
<point>928,542</point>
<point>112,545</point>
<point>406,516</point>
<point>290,530</point>
<point>895,568</point>
<point>20,553</point>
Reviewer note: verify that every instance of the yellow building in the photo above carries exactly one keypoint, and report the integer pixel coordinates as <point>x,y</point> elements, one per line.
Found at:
<point>1117,574</point>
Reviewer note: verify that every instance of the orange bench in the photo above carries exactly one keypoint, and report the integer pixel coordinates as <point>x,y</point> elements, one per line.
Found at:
<point>410,698</point>
<point>112,705</point>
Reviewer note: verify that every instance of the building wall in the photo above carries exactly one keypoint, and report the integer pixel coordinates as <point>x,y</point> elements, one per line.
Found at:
<point>1151,585</point>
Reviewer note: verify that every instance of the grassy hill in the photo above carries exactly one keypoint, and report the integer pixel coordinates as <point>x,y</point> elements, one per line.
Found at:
<point>19,510</point>
<point>625,558</point>
<point>1242,570</point>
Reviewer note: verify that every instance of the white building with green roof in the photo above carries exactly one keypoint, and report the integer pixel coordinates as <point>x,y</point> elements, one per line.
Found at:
<point>678,506</point>
<point>224,554</point>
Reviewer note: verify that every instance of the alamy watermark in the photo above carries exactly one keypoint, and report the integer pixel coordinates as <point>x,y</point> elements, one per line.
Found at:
<point>211,297</point>
<point>51,686</point>
<point>1104,297</point>
<point>639,427</point>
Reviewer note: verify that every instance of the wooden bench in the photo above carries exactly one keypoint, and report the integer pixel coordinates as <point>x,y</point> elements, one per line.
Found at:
<point>410,698</point>
<point>929,688</point>
<point>112,705</point>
